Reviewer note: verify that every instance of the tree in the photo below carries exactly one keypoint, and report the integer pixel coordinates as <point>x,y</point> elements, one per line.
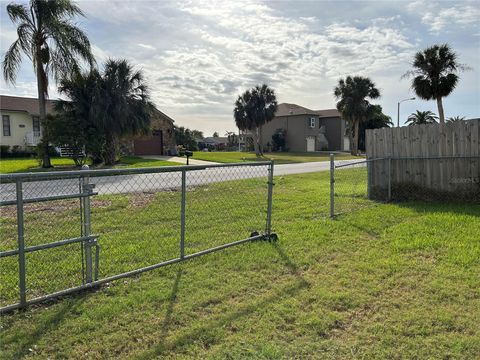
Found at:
<point>47,36</point>
<point>232,138</point>
<point>186,137</point>
<point>74,125</point>
<point>279,140</point>
<point>121,105</point>
<point>352,93</point>
<point>456,118</point>
<point>435,74</point>
<point>422,117</point>
<point>215,134</point>
<point>253,109</point>
<point>376,120</point>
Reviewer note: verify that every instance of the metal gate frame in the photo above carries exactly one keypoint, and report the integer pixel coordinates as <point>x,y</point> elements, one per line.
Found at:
<point>88,240</point>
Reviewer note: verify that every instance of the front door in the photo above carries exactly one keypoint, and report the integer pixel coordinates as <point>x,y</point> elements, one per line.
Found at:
<point>310,144</point>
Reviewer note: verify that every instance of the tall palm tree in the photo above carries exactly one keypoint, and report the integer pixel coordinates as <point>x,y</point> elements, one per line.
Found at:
<point>435,74</point>
<point>122,105</point>
<point>253,109</point>
<point>456,118</point>
<point>352,93</point>
<point>422,117</point>
<point>47,36</point>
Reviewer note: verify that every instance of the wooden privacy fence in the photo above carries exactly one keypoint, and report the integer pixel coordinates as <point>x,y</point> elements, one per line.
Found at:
<point>425,159</point>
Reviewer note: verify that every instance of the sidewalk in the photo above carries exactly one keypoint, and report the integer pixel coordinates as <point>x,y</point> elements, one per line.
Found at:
<point>178,159</point>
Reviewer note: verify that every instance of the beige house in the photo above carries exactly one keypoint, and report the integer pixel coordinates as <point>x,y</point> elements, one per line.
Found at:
<point>21,125</point>
<point>308,130</point>
<point>21,128</point>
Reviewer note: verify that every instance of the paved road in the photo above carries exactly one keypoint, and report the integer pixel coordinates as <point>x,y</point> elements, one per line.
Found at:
<point>159,181</point>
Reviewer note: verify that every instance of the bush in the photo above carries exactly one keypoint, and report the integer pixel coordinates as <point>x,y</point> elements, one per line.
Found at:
<point>4,150</point>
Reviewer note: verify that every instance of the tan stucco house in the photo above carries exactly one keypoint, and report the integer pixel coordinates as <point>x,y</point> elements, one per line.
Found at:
<point>308,130</point>
<point>21,128</point>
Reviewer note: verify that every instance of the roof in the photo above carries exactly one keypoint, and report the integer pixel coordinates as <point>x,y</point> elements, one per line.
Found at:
<point>29,105</point>
<point>214,140</point>
<point>285,109</point>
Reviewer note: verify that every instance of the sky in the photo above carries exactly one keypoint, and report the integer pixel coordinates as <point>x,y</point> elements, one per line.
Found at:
<point>198,56</point>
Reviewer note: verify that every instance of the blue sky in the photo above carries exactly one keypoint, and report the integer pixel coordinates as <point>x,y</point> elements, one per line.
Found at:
<point>198,56</point>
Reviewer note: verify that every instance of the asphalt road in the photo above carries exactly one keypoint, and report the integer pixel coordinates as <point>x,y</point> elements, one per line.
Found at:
<point>159,181</point>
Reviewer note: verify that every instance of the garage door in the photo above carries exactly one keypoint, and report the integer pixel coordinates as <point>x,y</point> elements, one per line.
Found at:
<point>151,145</point>
<point>310,144</point>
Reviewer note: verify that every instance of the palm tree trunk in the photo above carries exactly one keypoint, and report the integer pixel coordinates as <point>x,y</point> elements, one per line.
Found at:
<point>355,137</point>
<point>110,152</point>
<point>441,115</point>
<point>255,141</point>
<point>260,140</point>
<point>42,91</point>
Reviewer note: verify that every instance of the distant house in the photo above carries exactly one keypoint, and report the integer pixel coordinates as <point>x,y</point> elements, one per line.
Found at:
<point>21,128</point>
<point>212,143</point>
<point>308,130</point>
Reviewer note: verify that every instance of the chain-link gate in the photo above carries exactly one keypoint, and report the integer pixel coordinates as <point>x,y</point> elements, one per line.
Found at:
<point>67,231</point>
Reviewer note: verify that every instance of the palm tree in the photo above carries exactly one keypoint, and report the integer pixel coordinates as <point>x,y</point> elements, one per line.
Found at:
<point>122,105</point>
<point>253,109</point>
<point>47,36</point>
<point>435,74</point>
<point>376,119</point>
<point>352,93</point>
<point>422,117</point>
<point>455,119</point>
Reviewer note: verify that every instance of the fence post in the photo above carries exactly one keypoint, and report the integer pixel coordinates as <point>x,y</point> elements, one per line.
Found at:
<point>268,229</point>
<point>332,185</point>
<point>182,214</point>
<point>87,225</point>
<point>389,190</point>
<point>21,244</point>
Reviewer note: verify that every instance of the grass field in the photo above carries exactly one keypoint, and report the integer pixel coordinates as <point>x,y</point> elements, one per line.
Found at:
<point>280,158</point>
<point>393,281</point>
<point>12,165</point>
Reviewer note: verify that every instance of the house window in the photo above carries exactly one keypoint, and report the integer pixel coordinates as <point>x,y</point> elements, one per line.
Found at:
<point>36,126</point>
<point>312,123</point>
<point>6,125</point>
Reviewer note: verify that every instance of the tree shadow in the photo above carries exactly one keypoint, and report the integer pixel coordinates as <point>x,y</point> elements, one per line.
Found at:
<point>190,337</point>
<point>34,334</point>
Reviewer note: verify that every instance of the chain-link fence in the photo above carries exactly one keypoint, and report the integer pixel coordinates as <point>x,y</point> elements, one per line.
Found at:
<point>358,184</point>
<point>66,231</point>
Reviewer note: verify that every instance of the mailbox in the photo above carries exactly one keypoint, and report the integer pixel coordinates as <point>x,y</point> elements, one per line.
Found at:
<point>188,153</point>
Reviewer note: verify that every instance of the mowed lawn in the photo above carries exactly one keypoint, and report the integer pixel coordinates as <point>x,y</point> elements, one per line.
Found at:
<point>278,157</point>
<point>12,165</point>
<point>392,281</point>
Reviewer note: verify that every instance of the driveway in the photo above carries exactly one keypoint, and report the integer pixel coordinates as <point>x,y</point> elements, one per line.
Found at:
<point>158,181</point>
<point>178,159</point>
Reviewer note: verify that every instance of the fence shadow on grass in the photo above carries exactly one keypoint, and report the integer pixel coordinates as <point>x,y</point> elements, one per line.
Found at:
<point>33,335</point>
<point>292,288</point>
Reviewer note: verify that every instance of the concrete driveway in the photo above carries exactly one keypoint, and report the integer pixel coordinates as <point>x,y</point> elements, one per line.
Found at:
<point>178,159</point>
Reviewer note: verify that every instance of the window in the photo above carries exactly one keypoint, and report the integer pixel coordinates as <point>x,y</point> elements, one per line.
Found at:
<point>6,125</point>
<point>36,126</point>
<point>312,123</point>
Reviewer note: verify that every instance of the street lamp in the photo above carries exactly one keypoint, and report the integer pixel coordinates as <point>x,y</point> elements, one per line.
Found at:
<point>398,109</point>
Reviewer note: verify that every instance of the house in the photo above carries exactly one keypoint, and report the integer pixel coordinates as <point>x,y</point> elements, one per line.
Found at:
<point>307,130</point>
<point>160,140</point>
<point>21,128</point>
<point>212,143</point>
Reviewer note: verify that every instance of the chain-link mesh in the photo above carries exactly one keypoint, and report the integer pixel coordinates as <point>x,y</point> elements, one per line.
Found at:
<point>439,179</point>
<point>136,217</point>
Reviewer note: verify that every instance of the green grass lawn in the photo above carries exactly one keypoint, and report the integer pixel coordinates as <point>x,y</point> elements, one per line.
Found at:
<point>12,165</point>
<point>280,158</point>
<point>392,281</point>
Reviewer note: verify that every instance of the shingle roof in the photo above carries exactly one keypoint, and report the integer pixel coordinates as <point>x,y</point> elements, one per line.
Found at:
<point>285,109</point>
<point>29,105</point>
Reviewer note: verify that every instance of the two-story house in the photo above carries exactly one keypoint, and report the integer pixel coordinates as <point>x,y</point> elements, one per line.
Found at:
<point>308,130</point>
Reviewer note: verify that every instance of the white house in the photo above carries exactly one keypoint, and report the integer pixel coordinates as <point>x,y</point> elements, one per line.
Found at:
<point>20,121</point>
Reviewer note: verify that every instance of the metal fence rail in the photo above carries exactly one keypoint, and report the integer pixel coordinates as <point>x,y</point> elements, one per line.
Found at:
<point>365,183</point>
<point>67,231</point>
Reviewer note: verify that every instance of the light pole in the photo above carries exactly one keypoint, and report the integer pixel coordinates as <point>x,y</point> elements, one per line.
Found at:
<point>398,109</point>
